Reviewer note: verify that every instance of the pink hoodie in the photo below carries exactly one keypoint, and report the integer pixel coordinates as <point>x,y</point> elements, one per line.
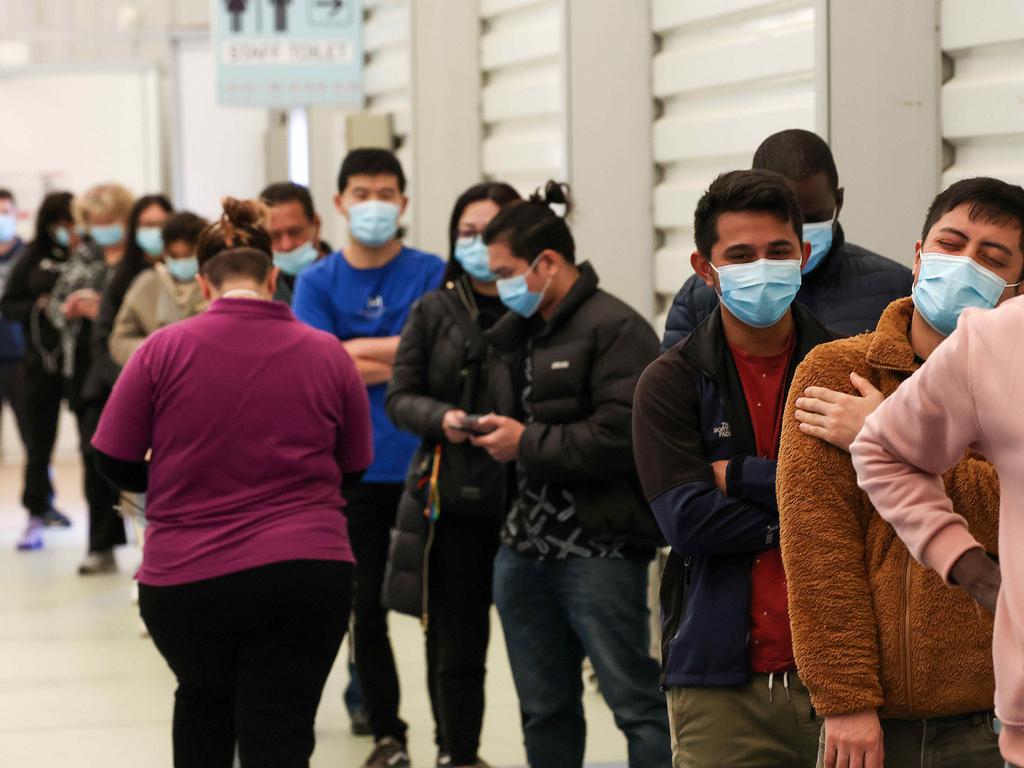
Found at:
<point>970,394</point>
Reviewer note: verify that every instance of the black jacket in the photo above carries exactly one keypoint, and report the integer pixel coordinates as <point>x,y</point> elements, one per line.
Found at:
<point>443,362</point>
<point>847,292</point>
<point>690,411</point>
<point>34,275</point>
<point>586,361</point>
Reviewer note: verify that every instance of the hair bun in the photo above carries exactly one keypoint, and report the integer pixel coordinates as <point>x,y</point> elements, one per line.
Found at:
<point>242,214</point>
<point>554,193</point>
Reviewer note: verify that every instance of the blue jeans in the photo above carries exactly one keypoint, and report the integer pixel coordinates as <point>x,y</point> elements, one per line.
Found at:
<point>556,612</point>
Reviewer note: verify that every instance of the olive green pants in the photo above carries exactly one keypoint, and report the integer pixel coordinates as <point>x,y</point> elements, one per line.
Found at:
<point>747,726</point>
<point>966,741</point>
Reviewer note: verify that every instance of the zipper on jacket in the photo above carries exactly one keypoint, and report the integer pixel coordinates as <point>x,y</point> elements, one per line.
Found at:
<point>424,609</point>
<point>907,644</point>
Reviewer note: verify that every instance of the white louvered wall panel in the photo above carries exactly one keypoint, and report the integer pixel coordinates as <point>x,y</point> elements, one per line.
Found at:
<point>387,78</point>
<point>727,74</point>
<point>983,102</point>
<point>524,91</point>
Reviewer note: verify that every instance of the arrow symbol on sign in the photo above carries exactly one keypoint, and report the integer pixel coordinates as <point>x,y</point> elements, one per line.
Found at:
<point>334,5</point>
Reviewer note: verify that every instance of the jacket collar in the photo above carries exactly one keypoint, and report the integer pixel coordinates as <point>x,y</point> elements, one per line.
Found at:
<point>705,347</point>
<point>890,347</point>
<point>511,331</point>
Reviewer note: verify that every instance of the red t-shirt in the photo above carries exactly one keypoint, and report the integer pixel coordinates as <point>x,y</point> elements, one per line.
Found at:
<point>764,386</point>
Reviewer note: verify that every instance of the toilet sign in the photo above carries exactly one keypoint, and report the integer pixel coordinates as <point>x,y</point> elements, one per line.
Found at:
<point>288,53</point>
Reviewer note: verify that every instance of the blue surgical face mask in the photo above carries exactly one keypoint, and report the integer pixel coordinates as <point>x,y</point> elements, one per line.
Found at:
<point>471,253</point>
<point>183,270</point>
<point>947,285</point>
<point>8,227</point>
<point>517,296</point>
<point>296,260</point>
<point>819,235</point>
<point>107,234</point>
<point>150,239</point>
<point>759,293</point>
<point>62,236</point>
<point>373,222</point>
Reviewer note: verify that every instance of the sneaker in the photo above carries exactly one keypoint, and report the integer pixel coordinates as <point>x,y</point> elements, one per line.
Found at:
<point>444,760</point>
<point>389,753</point>
<point>97,563</point>
<point>360,723</point>
<point>54,518</point>
<point>32,538</point>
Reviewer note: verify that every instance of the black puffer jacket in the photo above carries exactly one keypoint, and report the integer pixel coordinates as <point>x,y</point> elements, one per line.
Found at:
<point>443,362</point>
<point>847,292</point>
<point>586,362</point>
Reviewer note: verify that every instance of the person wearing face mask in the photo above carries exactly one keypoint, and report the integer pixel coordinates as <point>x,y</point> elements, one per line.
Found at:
<point>73,307</point>
<point>843,285</point>
<point>440,567</point>
<point>706,423</point>
<point>294,228</point>
<point>164,294</point>
<point>25,298</point>
<point>12,340</point>
<point>363,295</point>
<point>570,579</point>
<point>898,665</point>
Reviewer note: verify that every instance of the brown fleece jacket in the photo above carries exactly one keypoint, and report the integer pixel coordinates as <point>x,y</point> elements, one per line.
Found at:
<point>873,629</point>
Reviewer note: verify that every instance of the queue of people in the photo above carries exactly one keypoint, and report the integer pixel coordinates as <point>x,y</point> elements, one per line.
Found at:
<point>326,433</point>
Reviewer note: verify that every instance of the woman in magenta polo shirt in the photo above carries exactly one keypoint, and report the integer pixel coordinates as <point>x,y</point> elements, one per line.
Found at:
<point>253,419</point>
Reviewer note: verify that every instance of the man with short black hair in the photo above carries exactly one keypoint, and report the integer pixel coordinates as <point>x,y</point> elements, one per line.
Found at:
<point>706,422</point>
<point>12,342</point>
<point>363,294</point>
<point>845,286</point>
<point>294,228</point>
<point>898,665</point>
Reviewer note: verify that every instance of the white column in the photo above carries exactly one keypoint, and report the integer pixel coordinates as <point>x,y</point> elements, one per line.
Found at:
<point>885,73</point>
<point>445,113</point>
<point>609,113</point>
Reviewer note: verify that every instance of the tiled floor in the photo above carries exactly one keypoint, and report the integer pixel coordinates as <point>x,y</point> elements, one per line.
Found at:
<point>80,687</point>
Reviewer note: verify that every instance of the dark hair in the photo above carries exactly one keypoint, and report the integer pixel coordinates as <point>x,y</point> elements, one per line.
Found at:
<point>735,191</point>
<point>6,194</point>
<point>990,199</point>
<point>237,244</point>
<point>183,226</point>
<point>55,208</point>
<point>134,261</point>
<point>797,154</point>
<point>236,262</point>
<point>241,225</point>
<point>370,161</point>
<point>530,226</point>
<point>497,192</point>
<point>289,192</point>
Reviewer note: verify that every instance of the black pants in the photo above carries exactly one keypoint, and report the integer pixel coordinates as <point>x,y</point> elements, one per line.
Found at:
<point>251,652</point>
<point>106,528</point>
<point>371,514</point>
<point>459,604</point>
<point>12,392</point>
<point>43,394</point>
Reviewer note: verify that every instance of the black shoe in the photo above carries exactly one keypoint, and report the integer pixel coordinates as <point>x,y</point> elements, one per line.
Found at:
<point>54,518</point>
<point>360,723</point>
<point>389,753</point>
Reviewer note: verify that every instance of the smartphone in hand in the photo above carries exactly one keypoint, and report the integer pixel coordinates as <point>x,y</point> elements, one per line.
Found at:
<point>472,425</point>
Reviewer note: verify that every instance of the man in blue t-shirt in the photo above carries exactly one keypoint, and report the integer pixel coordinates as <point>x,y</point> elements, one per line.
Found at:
<point>363,295</point>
